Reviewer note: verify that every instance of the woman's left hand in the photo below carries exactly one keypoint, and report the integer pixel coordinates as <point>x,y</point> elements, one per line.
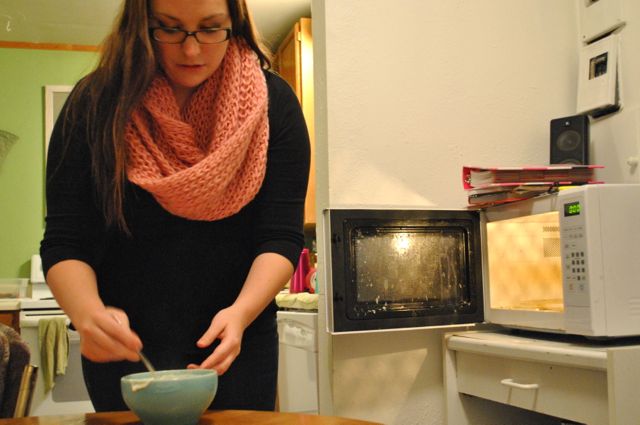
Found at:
<point>227,326</point>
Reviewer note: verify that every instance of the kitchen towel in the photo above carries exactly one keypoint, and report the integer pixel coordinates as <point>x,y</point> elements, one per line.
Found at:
<point>54,349</point>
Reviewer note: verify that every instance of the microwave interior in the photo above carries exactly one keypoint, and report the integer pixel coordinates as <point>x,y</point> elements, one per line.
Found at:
<point>397,269</point>
<point>524,268</point>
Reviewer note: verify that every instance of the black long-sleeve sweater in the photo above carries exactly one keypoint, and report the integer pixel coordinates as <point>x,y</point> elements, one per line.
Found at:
<point>172,275</point>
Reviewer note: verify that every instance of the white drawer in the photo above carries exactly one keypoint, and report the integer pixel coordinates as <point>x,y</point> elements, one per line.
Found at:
<point>574,393</point>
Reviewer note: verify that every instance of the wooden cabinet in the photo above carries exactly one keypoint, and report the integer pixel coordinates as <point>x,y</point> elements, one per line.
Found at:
<point>294,62</point>
<point>562,377</point>
<point>11,318</point>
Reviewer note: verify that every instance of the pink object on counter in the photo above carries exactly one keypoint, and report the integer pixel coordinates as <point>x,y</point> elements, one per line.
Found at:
<point>308,285</point>
<point>298,280</point>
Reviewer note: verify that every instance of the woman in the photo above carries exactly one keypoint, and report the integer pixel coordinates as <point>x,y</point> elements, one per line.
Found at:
<point>176,180</point>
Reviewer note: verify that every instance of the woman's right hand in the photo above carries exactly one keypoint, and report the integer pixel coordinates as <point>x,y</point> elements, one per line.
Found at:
<point>105,336</point>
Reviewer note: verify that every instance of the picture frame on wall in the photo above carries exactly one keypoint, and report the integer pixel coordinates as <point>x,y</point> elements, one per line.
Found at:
<point>54,98</point>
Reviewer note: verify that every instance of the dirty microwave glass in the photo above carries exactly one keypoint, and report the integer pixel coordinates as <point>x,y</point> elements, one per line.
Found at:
<point>399,268</point>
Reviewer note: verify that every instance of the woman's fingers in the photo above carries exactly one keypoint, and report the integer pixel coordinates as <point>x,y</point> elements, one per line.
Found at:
<point>222,356</point>
<point>107,337</point>
<point>119,316</point>
<point>227,327</point>
<point>211,334</point>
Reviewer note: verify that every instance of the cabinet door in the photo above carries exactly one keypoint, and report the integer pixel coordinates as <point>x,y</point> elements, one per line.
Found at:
<point>294,62</point>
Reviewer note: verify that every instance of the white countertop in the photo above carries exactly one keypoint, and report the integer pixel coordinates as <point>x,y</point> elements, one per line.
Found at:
<point>298,301</point>
<point>10,304</point>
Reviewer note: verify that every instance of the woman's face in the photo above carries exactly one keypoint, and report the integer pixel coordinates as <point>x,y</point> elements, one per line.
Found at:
<point>189,63</point>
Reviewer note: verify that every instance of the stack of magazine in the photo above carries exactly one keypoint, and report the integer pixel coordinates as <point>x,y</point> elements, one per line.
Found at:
<point>496,185</point>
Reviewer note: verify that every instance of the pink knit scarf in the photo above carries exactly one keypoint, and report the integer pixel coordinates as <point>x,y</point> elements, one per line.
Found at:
<point>208,162</point>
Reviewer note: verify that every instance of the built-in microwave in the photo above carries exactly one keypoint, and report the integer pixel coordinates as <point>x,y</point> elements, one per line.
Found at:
<point>566,262</point>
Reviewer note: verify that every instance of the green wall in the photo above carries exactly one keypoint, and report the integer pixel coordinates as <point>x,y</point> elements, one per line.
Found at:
<point>23,75</point>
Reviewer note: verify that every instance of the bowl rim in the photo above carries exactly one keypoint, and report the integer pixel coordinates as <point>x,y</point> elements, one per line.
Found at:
<point>187,374</point>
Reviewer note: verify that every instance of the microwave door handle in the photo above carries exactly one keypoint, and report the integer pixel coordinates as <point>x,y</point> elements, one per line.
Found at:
<point>511,383</point>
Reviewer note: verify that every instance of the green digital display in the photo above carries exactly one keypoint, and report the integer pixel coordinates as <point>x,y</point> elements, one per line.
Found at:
<point>572,208</point>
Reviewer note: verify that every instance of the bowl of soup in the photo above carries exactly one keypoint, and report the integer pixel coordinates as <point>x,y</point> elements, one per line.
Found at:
<point>170,397</point>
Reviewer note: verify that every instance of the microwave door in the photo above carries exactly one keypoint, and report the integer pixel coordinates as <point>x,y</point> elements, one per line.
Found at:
<point>400,269</point>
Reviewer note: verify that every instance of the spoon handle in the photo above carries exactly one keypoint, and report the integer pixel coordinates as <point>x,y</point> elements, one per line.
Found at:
<point>146,362</point>
<point>143,358</point>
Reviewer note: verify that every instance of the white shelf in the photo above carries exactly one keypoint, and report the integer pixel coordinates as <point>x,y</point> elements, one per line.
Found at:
<point>564,377</point>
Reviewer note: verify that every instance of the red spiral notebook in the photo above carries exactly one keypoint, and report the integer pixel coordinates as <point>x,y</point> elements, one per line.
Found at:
<point>548,175</point>
<point>488,186</point>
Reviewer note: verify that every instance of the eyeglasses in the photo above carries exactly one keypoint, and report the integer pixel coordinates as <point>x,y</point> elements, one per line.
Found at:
<point>177,36</point>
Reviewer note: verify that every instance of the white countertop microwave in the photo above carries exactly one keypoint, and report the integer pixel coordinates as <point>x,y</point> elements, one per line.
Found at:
<point>567,262</point>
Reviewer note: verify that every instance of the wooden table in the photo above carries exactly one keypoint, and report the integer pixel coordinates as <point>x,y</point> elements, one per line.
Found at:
<point>221,417</point>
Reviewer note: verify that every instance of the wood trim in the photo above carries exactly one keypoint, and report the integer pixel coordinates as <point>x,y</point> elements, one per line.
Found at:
<point>305,73</point>
<point>48,46</point>
<point>294,63</point>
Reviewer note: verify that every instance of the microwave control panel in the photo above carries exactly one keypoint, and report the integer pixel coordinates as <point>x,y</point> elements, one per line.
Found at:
<point>576,265</point>
<point>574,254</point>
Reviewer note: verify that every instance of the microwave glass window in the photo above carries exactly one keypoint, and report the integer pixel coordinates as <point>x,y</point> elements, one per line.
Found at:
<point>399,266</point>
<point>525,271</point>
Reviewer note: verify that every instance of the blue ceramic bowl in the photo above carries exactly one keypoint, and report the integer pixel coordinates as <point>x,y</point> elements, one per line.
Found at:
<point>170,397</point>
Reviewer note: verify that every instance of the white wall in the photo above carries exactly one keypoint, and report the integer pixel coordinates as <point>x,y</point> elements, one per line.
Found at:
<point>408,91</point>
<point>615,139</point>
<point>417,88</point>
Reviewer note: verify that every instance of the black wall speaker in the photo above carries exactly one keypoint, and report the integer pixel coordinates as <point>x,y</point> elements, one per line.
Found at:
<point>570,140</point>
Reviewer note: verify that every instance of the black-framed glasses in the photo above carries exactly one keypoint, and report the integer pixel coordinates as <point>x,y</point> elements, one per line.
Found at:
<point>177,36</point>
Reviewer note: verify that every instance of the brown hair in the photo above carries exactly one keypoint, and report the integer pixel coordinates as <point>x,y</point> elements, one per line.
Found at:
<point>103,101</point>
